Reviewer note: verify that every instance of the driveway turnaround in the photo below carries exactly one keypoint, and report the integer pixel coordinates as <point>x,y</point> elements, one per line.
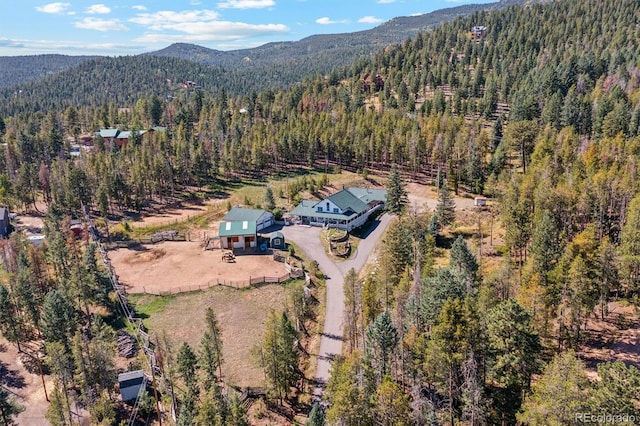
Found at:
<point>308,239</point>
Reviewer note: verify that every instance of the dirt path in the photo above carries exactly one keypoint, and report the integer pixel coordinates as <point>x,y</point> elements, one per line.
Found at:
<point>308,239</point>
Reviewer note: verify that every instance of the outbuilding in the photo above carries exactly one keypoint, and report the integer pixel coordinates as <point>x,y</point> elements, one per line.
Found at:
<point>276,241</point>
<point>238,235</point>
<point>131,383</point>
<point>262,218</point>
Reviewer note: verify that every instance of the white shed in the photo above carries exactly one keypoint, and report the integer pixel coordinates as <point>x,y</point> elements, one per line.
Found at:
<point>479,201</point>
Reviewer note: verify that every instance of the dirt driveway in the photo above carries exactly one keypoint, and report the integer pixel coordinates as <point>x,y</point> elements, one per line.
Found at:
<point>174,266</point>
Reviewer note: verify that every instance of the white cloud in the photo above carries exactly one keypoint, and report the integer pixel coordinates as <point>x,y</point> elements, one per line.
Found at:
<point>34,47</point>
<point>246,4</point>
<point>139,7</point>
<point>386,1</point>
<point>325,20</point>
<point>198,26</point>
<point>369,20</point>
<point>55,8</point>
<point>101,24</point>
<point>212,31</point>
<point>98,9</point>
<point>167,18</point>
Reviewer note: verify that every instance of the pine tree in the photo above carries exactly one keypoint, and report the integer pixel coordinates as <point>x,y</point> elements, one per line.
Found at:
<point>187,368</point>
<point>269,200</point>
<point>8,408</point>
<point>211,356</point>
<point>396,193</point>
<point>279,355</point>
<point>513,356</point>
<point>464,261</point>
<point>382,339</point>
<point>316,416</point>
<point>392,404</point>
<point>58,319</point>
<point>630,247</point>
<point>560,393</point>
<point>446,207</point>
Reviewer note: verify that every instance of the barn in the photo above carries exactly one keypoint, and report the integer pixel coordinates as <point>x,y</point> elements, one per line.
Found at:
<point>262,218</point>
<point>238,234</point>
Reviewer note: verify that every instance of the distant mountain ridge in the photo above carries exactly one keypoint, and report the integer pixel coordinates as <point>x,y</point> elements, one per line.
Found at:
<point>344,45</point>
<point>318,53</point>
<point>18,69</point>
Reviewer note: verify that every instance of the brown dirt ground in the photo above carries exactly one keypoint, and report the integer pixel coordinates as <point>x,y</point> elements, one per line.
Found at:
<point>25,388</point>
<point>179,266</point>
<point>616,338</point>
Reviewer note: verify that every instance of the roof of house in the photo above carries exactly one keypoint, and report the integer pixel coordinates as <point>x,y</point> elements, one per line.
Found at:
<point>130,375</point>
<point>368,195</point>
<point>352,201</point>
<point>108,133</point>
<point>244,227</point>
<point>276,234</point>
<point>307,208</point>
<point>347,201</point>
<point>238,214</point>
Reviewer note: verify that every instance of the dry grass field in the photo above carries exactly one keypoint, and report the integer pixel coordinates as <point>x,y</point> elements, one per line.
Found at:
<point>240,313</point>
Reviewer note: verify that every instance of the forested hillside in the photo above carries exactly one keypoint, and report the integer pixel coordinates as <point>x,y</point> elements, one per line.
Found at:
<point>32,84</point>
<point>18,69</point>
<point>542,114</point>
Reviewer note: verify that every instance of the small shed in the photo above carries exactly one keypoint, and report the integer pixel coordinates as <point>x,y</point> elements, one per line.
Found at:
<point>131,383</point>
<point>76,227</point>
<point>277,241</point>
<point>480,202</point>
<point>4,222</point>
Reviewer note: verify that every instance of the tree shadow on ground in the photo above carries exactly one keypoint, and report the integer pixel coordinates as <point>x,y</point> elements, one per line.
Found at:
<point>10,378</point>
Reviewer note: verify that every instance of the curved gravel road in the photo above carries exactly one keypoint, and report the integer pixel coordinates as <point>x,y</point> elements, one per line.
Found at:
<point>308,239</point>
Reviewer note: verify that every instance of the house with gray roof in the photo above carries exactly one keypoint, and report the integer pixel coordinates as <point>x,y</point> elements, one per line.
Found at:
<point>347,209</point>
<point>240,226</point>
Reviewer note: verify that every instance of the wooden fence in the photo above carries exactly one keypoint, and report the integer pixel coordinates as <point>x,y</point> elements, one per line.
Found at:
<point>150,240</point>
<point>238,284</point>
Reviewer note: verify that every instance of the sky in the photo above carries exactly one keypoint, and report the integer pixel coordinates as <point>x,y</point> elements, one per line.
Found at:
<point>129,27</point>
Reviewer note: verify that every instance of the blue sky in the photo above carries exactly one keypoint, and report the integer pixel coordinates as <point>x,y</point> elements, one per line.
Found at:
<point>126,27</point>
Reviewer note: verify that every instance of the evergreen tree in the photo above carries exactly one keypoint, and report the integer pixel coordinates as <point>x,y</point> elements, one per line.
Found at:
<point>58,318</point>
<point>8,409</point>
<point>396,193</point>
<point>279,355</point>
<point>392,404</point>
<point>464,261</point>
<point>382,339</point>
<point>187,367</point>
<point>269,200</point>
<point>630,247</point>
<point>560,393</point>
<point>513,356</point>
<point>446,208</point>
<point>211,357</point>
<point>316,416</point>
<point>348,403</point>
